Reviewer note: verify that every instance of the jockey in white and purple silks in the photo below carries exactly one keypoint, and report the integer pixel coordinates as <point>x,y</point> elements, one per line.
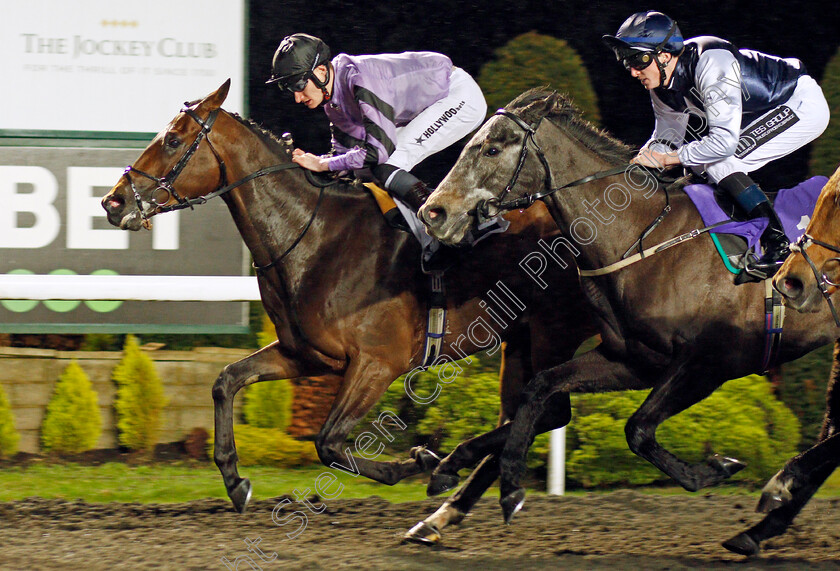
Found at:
<point>757,107</point>
<point>388,112</point>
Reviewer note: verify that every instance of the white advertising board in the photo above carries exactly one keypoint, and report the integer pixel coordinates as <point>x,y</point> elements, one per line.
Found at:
<point>115,66</point>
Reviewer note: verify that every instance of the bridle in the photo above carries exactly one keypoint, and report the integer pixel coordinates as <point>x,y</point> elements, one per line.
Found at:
<point>823,282</point>
<point>482,209</point>
<point>165,182</point>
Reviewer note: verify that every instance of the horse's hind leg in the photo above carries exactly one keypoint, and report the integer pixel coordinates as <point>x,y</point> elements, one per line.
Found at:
<point>677,390</point>
<point>791,488</point>
<point>266,364</point>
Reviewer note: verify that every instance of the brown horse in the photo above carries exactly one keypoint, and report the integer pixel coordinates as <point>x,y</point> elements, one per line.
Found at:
<point>672,322</point>
<point>808,277</point>
<point>344,290</point>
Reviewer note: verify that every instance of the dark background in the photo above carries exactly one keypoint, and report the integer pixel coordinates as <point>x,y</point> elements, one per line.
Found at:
<point>469,32</point>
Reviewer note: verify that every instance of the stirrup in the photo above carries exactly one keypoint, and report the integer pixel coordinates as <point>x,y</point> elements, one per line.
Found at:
<point>753,273</point>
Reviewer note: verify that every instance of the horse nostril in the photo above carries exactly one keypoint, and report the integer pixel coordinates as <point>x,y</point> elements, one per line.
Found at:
<point>435,216</point>
<point>791,287</point>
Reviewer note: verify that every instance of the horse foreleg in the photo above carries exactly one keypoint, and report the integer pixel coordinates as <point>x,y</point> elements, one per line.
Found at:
<point>591,372</point>
<point>791,488</point>
<point>266,364</point>
<point>365,382</point>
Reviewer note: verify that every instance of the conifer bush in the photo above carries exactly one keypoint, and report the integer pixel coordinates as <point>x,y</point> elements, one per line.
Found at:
<point>9,437</point>
<point>72,423</point>
<point>267,333</point>
<point>140,400</point>
<point>269,404</point>
<point>536,60</point>
<point>257,446</point>
<point>825,151</point>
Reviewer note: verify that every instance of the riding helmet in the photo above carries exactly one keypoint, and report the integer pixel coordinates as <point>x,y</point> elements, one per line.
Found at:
<point>645,32</point>
<point>295,59</point>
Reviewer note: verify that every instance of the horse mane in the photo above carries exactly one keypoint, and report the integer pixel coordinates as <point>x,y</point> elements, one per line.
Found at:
<point>270,139</point>
<point>350,188</point>
<point>564,113</point>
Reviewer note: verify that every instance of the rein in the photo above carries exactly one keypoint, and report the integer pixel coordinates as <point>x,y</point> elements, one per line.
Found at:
<point>165,182</point>
<point>823,282</point>
<point>482,209</point>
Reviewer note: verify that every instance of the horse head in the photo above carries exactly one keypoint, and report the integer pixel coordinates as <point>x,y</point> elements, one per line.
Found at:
<point>813,269</point>
<point>148,186</point>
<point>492,167</point>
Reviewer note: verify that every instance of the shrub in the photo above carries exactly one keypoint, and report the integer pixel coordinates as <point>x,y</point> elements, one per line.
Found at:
<point>269,447</point>
<point>140,400</point>
<point>267,333</point>
<point>741,419</point>
<point>269,404</point>
<point>802,389</point>
<point>825,151</point>
<point>72,422</point>
<point>536,60</point>
<point>9,437</point>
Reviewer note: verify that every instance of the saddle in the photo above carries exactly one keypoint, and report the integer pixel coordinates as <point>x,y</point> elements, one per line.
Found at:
<point>741,238</point>
<point>388,207</point>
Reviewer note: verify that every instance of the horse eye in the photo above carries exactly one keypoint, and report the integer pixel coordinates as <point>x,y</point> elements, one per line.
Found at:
<point>172,141</point>
<point>491,152</point>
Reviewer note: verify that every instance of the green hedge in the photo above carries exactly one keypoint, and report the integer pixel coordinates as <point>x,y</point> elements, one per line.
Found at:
<point>743,419</point>
<point>72,422</point>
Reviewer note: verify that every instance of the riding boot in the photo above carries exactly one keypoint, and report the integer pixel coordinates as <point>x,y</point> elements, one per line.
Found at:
<point>755,203</point>
<point>774,242</point>
<point>403,185</point>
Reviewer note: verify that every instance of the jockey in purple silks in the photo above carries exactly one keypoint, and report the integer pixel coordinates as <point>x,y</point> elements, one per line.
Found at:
<point>388,112</point>
<point>757,107</point>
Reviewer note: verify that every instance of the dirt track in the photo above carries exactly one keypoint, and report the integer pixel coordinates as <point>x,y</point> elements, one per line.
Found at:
<point>621,530</point>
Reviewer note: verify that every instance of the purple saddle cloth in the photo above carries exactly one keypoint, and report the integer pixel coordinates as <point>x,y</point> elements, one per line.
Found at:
<point>793,205</point>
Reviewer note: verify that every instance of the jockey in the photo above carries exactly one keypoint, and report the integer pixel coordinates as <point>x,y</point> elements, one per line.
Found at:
<point>757,107</point>
<point>388,112</point>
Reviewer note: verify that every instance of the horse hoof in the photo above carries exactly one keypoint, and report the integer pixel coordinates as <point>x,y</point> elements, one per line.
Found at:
<point>512,503</point>
<point>742,544</point>
<point>725,465</point>
<point>422,533</point>
<point>769,502</point>
<point>440,483</point>
<point>241,495</point>
<point>425,458</point>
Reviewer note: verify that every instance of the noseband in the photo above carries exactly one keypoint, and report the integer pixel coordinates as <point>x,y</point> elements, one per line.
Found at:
<point>165,182</point>
<point>823,282</point>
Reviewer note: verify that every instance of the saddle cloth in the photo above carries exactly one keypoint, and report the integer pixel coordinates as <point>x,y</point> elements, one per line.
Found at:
<point>794,207</point>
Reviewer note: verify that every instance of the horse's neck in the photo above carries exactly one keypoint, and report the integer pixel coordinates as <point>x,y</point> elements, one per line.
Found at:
<point>605,217</point>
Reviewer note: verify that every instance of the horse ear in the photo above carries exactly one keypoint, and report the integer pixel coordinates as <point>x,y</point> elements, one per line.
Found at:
<point>218,97</point>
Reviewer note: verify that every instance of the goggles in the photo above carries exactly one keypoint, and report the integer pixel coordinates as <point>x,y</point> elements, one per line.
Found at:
<point>294,83</point>
<point>638,61</point>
